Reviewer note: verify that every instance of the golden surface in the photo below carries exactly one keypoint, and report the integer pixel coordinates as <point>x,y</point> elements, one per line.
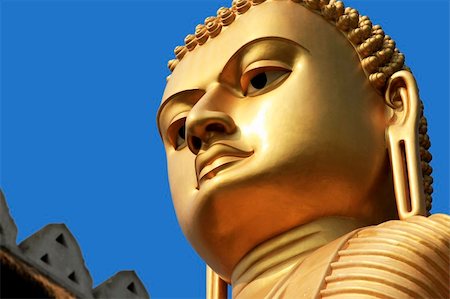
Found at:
<point>396,259</point>
<point>274,128</point>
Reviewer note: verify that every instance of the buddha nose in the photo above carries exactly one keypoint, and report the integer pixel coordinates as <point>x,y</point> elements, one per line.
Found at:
<point>202,126</point>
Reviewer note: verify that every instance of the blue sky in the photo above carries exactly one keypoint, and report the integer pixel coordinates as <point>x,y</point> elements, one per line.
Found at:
<point>80,85</point>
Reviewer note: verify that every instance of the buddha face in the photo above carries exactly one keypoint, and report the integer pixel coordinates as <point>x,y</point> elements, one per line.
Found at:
<point>270,125</point>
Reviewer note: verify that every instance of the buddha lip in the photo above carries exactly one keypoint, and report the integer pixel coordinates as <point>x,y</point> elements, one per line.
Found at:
<point>220,153</point>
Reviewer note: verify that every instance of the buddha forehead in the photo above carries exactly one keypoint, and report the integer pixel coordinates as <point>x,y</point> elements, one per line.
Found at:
<point>304,21</point>
<point>266,22</point>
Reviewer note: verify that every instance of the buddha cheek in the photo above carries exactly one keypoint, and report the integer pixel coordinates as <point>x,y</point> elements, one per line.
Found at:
<point>182,181</point>
<point>315,137</point>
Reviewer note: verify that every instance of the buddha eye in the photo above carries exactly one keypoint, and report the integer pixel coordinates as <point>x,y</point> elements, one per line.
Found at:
<point>181,138</point>
<point>177,133</point>
<point>259,81</point>
<point>262,80</point>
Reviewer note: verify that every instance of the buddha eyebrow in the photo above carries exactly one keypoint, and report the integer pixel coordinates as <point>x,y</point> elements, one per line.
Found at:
<point>243,51</point>
<point>262,40</point>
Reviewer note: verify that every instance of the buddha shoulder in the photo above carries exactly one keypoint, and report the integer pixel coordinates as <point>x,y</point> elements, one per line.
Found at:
<point>396,259</point>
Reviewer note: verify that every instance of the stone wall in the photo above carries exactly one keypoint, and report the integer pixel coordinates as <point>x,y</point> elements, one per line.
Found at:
<point>49,264</point>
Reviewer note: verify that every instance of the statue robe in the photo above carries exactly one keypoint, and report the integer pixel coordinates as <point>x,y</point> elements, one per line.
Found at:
<point>395,259</point>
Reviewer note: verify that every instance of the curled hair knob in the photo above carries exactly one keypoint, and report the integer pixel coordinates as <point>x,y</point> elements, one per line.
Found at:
<point>256,2</point>
<point>201,34</point>
<point>214,28</point>
<point>180,51</point>
<point>242,6</point>
<point>190,42</point>
<point>226,15</point>
<point>172,64</point>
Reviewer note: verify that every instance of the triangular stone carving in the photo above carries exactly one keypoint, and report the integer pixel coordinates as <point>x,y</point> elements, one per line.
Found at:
<point>56,243</point>
<point>124,284</point>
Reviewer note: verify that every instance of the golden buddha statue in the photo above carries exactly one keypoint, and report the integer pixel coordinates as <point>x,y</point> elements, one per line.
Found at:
<point>298,156</point>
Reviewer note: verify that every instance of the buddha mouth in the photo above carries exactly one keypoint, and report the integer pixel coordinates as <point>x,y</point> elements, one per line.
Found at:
<point>218,157</point>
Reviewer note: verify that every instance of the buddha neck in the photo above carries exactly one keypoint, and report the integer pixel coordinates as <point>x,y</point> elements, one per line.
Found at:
<point>257,273</point>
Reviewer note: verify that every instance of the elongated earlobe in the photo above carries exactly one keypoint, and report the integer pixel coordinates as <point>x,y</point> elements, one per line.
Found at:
<point>402,138</point>
<point>216,288</point>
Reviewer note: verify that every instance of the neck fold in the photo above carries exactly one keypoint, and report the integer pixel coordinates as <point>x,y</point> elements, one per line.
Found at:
<point>271,261</point>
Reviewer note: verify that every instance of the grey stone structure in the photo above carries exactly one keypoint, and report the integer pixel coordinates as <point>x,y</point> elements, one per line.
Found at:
<point>49,264</point>
<point>124,284</point>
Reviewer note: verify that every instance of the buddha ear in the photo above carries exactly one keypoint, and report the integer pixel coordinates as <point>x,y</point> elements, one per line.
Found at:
<point>403,105</point>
